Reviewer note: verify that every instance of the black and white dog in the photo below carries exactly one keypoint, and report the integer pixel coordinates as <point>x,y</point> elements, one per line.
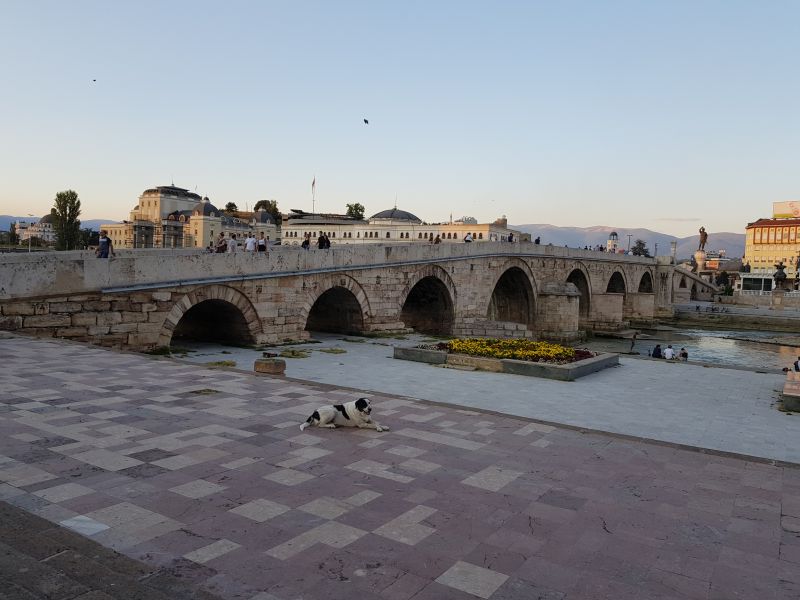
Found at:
<point>350,414</point>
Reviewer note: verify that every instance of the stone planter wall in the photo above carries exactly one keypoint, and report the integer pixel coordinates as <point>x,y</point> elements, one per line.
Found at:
<point>568,372</point>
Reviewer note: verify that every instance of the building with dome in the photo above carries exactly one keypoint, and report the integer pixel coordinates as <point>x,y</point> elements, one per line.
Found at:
<point>41,229</point>
<point>392,225</point>
<point>172,217</point>
<point>612,245</point>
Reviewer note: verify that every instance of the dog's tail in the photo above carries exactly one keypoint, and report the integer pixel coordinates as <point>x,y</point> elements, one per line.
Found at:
<point>310,420</point>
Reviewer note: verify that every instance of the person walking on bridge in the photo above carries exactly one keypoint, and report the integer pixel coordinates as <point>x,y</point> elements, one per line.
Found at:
<point>105,247</point>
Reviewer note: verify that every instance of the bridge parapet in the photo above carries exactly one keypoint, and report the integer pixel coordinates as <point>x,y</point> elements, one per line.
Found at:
<point>47,274</point>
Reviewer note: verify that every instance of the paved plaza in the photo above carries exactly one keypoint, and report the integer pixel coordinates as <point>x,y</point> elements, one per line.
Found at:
<point>205,473</point>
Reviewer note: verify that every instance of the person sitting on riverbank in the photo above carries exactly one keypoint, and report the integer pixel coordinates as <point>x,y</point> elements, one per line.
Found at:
<point>797,364</point>
<point>669,353</point>
<point>657,352</point>
<point>683,355</point>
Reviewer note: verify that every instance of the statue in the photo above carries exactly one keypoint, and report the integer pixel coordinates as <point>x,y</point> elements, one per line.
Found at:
<point>780,276</point>
<point>703,238</point>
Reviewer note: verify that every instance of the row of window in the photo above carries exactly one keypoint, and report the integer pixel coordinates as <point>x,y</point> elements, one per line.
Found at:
<point>374,234</point>
<point>774,235</point>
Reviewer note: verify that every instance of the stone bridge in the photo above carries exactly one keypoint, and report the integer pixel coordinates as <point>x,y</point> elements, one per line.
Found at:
<point>148,298</point>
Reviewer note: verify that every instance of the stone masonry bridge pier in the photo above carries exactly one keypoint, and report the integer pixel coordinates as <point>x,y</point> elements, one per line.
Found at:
<point>147,298</point>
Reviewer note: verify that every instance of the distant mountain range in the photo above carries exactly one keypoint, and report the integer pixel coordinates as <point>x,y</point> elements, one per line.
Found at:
<point>7,220</point>
<point>574,237</point>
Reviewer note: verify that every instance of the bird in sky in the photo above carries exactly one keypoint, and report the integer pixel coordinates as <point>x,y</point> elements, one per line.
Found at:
<point>366,122</point>
<point>94,80</point>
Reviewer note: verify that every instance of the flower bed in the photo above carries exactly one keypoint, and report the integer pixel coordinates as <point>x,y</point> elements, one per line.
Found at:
<point>514,349</point>
<point>519,357</point>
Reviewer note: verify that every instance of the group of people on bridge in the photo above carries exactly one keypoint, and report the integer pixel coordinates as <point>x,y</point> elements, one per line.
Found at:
<point>230,245</point>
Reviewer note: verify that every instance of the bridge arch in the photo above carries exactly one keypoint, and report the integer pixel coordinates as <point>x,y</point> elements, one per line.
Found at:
<point>428,301</point>
<point>579,277</point>
<point>616,283</point>
<point>513,296</point>
<point>217,313</point>
<point>646,283</point>
<point>336,304</point>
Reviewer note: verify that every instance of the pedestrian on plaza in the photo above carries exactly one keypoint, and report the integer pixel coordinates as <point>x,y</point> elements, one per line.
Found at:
<point>250,243</point>
<point>657,352</point>
<point>633,340</point>
<point>683,355</point>
<point>306,242</point>
<point>261,246</point>
<point>669,353</point>
<point>232,245</point>
<point>327,241</point>
<point>222,243</point>
<point>537,241</point>
<point>797,364</point>
<point>104,246</point>
<point>511,237</point>
<point>468,238</point>
<point>437,239</point>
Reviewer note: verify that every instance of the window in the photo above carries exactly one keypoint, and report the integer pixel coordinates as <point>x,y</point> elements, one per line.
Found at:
<point>792,234</point>
<point>480,236</point>
<point>778,235</point>
<point>419,237</point>
<point>757,235</point>
<point>771,235</point>
<point>387,234</point>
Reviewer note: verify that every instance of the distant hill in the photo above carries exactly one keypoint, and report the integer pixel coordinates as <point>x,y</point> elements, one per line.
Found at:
<point>732,243</point>
<point>7,220</point>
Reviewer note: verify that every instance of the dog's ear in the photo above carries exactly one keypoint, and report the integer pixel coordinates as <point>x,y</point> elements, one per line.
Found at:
<point>362,404</point>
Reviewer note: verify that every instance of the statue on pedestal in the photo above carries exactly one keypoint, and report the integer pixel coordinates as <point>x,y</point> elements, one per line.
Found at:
<point>780,276</point>
<point>703,239</point>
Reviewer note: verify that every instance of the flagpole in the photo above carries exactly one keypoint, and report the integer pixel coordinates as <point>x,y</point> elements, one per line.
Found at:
<point>314,195</point>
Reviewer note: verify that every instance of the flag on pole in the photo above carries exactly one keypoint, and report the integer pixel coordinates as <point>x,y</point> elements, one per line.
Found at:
<point>314,184</point>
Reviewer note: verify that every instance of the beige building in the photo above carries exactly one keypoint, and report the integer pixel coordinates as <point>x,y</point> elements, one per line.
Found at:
<point>42,229</point>
<point>393,225</point>
<point>770,241</point>
<point>172,217</point>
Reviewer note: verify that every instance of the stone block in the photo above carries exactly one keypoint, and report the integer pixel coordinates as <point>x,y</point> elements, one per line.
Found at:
<point>271,366</point>
<point>149,327</point>
<point>482,364</point>
<point>149,307</point>
<point>121,305</point>
<point>134,317</point>
<point>161,296</point>
<point>71,332</point>
<point>109,318</point>
<point>18,308</point>
<point>123,328</point>
<point>97,305</point>
<point>156,317</point>
<point>139,297</point>
<point>65,307</point>
<point>84,319</point>
<point>142,340</point>
<point>434,357</point>
<point>10,323</point>
<point>48,321</point>
<point>97,329</point>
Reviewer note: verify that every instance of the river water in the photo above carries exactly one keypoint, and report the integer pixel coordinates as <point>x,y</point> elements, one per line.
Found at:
<point>714,347</point>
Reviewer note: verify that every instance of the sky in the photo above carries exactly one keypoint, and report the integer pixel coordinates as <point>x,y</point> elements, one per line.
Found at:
<point>664,115</point>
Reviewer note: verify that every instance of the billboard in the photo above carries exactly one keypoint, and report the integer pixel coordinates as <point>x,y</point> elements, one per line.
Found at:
<point>786,210</point>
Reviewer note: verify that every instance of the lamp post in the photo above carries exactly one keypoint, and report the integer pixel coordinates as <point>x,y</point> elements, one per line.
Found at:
<point>673,250</point>
<point>630,235</point>
<point>29,233</point>
<point>655,252</point>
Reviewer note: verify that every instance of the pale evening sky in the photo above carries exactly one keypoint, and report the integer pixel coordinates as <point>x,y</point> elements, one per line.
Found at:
<point>665,115</point>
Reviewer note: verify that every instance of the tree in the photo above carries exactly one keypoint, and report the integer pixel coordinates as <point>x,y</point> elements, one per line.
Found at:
<point>13,238</point>
<point>67,226</point>
<point>355,211</point>
<point>271,206</point>
<point>89,237</point>
<point>640,248</point>
<point>231,207</point>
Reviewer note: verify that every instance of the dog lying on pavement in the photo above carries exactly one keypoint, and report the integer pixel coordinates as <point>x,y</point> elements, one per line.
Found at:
<point>350,414</point>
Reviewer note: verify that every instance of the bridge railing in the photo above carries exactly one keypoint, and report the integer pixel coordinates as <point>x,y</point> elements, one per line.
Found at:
<point>57,273</point>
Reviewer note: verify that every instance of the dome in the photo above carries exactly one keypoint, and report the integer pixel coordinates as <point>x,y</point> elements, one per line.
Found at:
<point>396,214</point>
<point>613,236</point>
<point>205,208</point>
<point>262,216</point>
<point>48,218</point>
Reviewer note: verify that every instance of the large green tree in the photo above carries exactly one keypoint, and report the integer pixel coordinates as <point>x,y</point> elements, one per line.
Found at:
<point>67,226</point>
<point>271,206</point>
<point>231,207</point>
<point>13,238</point>
<point>355,210</point>
<point>89,237</point>
<point>640,248</point>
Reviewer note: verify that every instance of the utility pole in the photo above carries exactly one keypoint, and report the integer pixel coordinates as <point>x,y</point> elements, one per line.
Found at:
<point>630,235</point>
<point>655,252</point>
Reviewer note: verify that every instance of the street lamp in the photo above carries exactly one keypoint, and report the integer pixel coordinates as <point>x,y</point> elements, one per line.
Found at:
<point>29,233</point>
<point>655,252</point>
<point>630,235</point>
